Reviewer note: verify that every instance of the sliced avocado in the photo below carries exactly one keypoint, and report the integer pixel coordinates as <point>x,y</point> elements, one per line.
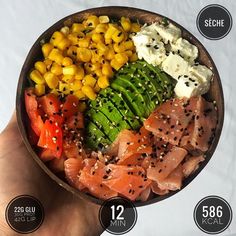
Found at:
<point>95,138</point>
<point>137,98</point>
<point>166,82</point>
<point>119,103</point>
<point>101,120</point>
<point>104,105</point>
<point>154,88</point>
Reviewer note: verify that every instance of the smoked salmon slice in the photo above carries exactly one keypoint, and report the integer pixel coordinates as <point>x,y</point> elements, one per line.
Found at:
<point>205,124</point>
<point>166,165</point>
<point>129,146</point>
<point>92,176</point>
<point>129,182</point>
<point>173,181</point>
<point>171,118</point>
<point>145,194</point>
<point>192,165</point>
<point>72,168</point>
<point>155,189</point>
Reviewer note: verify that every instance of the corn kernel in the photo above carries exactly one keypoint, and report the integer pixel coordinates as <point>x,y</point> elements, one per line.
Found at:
<point>41,67</point>
<point>84,43</point>
<point>74,38</point>
<point>37,77</point>
<point>69,70</point>
<point>110,54</point>
<point>119,47</point>
<point>82,106</point>
<point>121,58</point>
<point>76,85</point>
<point>135,27</point>
<point>56,69</point>
<point>96,57</point>
<point>64,88</point>
<point>77,27</point>
<point>115,64</point>
<point>107,70</point>
<point>129,53</point>
<point>83,54</point>
<point>96,88</point>
<point>112,28</point>
<point>55,55</point>
<point>90,67</point>
<point>98,72</point>
<point>39,89</point>
<point>101,28</point>
<point>92,21</point>
<point>102,48</point>
<point>65,30</point>
<point>89,80</point>
<point>118,36</point>
<point>129,45</point>
<point>103,19</point>
<point>48,63</point>
<point>88,91</point>
<point>67,61</point>
<point>72,52</point>
<point>103,82</point>
<point>134,57</point>
<point>46,49</point>
<point>64,44</point>
<point>96,37</point>
<point>51,80</point>
<point>79,94</point>
<point>125,23</point>
<point>79,74</point>
<point>108,41</point>
<point>67,78</point>
<point>56,38</point>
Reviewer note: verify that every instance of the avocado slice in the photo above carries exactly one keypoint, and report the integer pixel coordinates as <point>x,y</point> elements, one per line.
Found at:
<point>101,120</point>
<point>104,105</point>
<point>164,80</point>
<point>119,102</point>
<point>137,98</point>
<point>95,138</point>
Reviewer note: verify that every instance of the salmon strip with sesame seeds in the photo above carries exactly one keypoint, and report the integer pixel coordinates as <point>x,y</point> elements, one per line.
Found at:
<point>131,147</point>
<point>202,131</point>
<point>127,181</point>
<point>92,176</point>
<point>191,165</point>
<point>173,181</point>
<point>171,118</point>
<point>166,165</point>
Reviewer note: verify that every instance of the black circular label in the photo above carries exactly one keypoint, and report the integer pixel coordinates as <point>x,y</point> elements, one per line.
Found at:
<point>24,214</point>
<point>213,215</point>
<point>118,215</point>
<point>214,22</point>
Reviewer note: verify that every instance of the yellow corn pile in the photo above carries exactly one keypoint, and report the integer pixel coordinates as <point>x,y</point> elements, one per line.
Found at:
<point>81,59</point>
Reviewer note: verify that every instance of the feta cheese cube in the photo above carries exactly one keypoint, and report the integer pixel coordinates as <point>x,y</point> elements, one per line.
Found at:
<point>175,65</point>
<point>145,36</point>
<point>190,86</point>
<point>202,72</point>
<point>169,33</point>
<point>187,50</point>
<point>148,45</point>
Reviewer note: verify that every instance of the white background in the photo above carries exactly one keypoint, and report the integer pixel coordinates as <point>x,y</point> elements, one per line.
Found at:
<point>21,22</point>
